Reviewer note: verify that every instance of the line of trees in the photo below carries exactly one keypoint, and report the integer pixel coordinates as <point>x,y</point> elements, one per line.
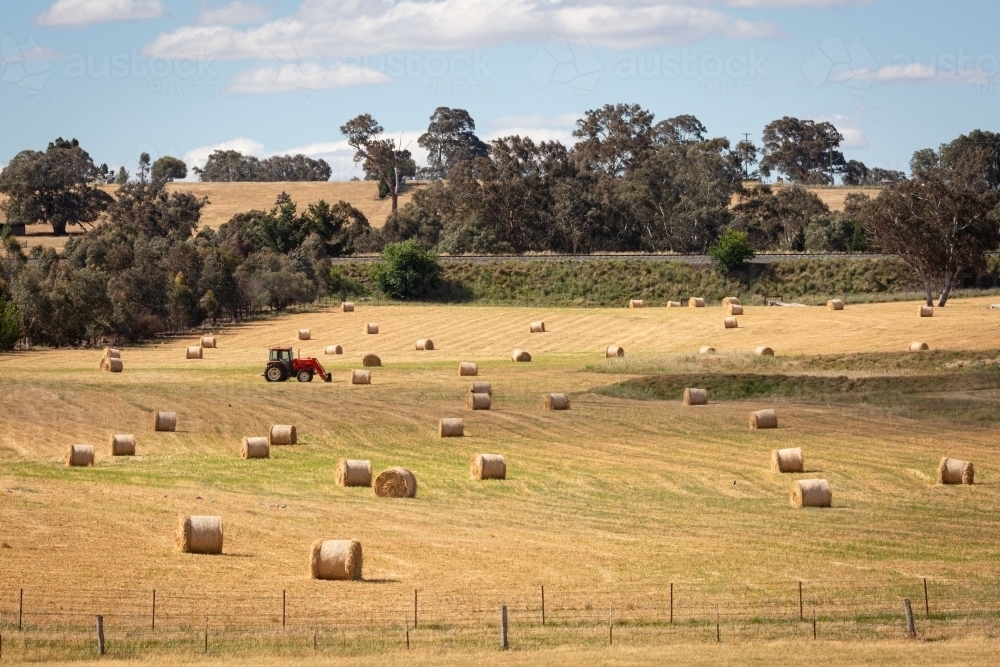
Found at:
<point>231,166</point>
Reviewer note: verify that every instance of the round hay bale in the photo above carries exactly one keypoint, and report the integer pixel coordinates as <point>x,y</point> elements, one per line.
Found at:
<point>520,355</point>
<point>371,328</point>
<point>787,460</point>
<point>467,368</point>
<point>109,365</point>
<point>194,352</point>
<point>478,401</point>
<point>695,396</point>
<point>481,388</point>
<point>764,419</point>
<point>347,306</point>
<point>555,402</point>
<point>953,471</point>
<point>164,421</point>
<point>305,334</point>
<point>536,327</point>
<point>283,434</point>
<point>696,302</point>
<point>111,353</point>
<point>199,534</point>
<point>811,493</point>
<point>731,323</point>
<point>706,350</point>
<point>80,455</point>
<point>488,466</point>
<point>614,351</point>
<point>764,351</point>
<point>674,304</point>
<point>834,304</point>
<point>371,360</point>
<point>919,347</point>
<point>334,349</point>
<point>361,377</point>
<point>635,303</point>
<point>396,483</point>
<point>122,445</point>
<point>336,560</point>
<point>734,309</point>
<point>450,427</point>
<point>353,472</point>
<point>255,448</point>
<point>208,342</point>
<point>425,344</point>
<point>730,301</point>
<point>926,311</point>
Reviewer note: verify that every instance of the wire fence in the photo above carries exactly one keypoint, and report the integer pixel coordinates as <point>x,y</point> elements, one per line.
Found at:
<point>374,617</point>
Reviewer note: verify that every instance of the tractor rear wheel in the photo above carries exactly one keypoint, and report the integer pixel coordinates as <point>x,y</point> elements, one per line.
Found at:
<point>275,373</point>
<point>305,376</point>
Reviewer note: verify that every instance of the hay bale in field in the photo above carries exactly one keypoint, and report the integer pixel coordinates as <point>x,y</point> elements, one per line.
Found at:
<point>706,350</point>
<point>730,301</point>
<point>164,421</point>
<point>953,471</point>
<point>674,304</point>
<point>834,304</point>
<point>919,347</point>
<point>112,365</point>
<point>811,493</point>
<point>451,427</point>
<point>371,328</point>
<point>520,355</point>
<point>635,303</point>
<point>787,460</point>
<point>536,327</point>
<point>478,401</point>
<point>371,360</point>
<point>361,377</point>
<point>199,534</point>
<point>305,334</point>
<point>696,302</point>
<point>347,306</point>
<point>353,472</point>
<point>695,396</point>
<point>396,483</point>
<point>283,434</point>
<point>488,466</point>
<point>255,448</point>
<point>468,369</point>
<point>80,455</point>
<point>209,342</point>
<point>122,445</point>
<point>555,402</point>
<point>425,344</point>
<point>334,349</point>
<point>764,351</point>
<point>926,311</point>
<point>111,353</point>
<point>336,560</point>
<point>194,352</point>
<point>731,323</point>
<point>734,309</point>
<point>614,351</point>
<point>764,419</point>
<point>481,388</point>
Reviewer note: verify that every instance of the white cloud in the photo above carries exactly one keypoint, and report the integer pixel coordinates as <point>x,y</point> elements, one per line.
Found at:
<point>86,12</point>
<point>235,13</point>
<point>854,136</point>
<point>929,74</point>
<point>794,4</point>
<point>303,77</point>
<point>338,28</point>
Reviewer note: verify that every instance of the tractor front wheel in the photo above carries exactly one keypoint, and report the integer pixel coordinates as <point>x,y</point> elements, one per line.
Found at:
<point>305,376</point>
<point>274,373</point>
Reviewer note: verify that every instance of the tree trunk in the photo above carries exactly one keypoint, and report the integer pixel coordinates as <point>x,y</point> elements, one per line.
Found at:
<point>928,293</point>
<point>949,282</point>
<point>59,227</point>
<point>395,199</point>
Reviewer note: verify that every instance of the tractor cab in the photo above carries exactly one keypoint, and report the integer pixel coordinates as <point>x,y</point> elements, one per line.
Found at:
<point>282,364</point>
<point>282,354</point>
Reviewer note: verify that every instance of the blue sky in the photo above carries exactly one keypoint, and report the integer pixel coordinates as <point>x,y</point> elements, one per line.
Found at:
<point>183,77</point>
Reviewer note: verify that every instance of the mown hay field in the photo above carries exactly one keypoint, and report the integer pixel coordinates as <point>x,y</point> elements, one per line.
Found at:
<point>605,504</point>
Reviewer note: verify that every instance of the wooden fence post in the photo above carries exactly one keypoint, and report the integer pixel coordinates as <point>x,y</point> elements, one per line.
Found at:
<point>282,610</point>
<point>206,633</point>
<point>801,616</point>
<point>927,601</point>
<point>718,626</point>
<point>671,603</point>
<point>814,621</point>
<point>100,635</point>
<point>911,629</point>
<point>154,610</point>
<point>414,608</point>
<point>611,626</point>
<point>504,644</point>
<point>543,605</point>
<point>20,609</point>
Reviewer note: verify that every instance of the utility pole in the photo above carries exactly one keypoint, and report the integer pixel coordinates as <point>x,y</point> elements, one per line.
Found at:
<point>746,159</point>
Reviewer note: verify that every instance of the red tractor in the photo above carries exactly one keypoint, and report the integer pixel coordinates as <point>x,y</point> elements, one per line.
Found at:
<point>281,365</point>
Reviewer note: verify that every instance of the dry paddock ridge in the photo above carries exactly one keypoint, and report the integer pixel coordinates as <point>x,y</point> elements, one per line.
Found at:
<point>612,500</point>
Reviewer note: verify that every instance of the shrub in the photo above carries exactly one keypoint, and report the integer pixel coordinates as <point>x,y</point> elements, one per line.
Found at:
<point>10,325</point>
<point>732,250</point>
<point>407,271</point>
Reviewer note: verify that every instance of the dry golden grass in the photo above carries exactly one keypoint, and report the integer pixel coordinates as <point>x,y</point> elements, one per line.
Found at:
<point>609,501</point>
